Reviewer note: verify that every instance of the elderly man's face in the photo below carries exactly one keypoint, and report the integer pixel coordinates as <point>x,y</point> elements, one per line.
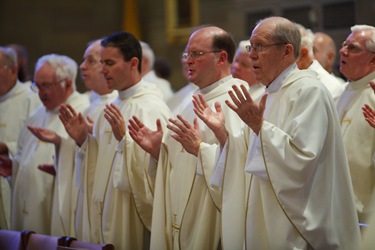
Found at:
<point>267,61</point>
<point>52,91</point>
<point>242,68</point>
<point>355,60</point>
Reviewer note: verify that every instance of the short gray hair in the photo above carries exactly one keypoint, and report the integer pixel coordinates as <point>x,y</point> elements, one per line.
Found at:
<point>148,53</point>
<point>307,39</point>
<point>9,56</point>
<point>65,66</point>
<point>370,44</point>
<point>286,32</point>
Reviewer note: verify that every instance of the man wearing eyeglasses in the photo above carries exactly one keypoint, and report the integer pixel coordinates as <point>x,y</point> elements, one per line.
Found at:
<point>186,208</point>
<point>357,64</point>
<point>31,188</point>
<point>286,181</point>
<point>17,103</point>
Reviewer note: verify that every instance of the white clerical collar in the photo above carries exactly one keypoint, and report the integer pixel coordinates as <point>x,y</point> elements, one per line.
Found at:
<point>362,82</point>
<point>276,84</point>
<point>124,94</point>
<point>210,87</point>
<point>11,91</point>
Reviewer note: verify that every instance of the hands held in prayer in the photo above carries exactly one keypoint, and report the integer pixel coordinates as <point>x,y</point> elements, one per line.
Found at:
<point>147,139</point>
<point>113,115</point>
<point>45,135</point>
<point>75,125</point>
<point>215,121</point>
<point>47,168</point>
<point>249,111</point>
<point>368,112</point>
<point>5,166</point>
<point>186,134</point>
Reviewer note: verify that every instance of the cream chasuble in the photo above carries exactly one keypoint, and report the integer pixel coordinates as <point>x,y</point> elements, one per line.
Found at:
<point>185,215</point>
<point>31,188</point>
<point>296,192</point>
<point>15,107</point>
<point>115,214</point>
<point>210,152</point>
<point>65,192</point>
<point>359,140</point>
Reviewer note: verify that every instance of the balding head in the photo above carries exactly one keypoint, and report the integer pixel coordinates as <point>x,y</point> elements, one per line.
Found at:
<point>209,54</point>
<point>324,50</point>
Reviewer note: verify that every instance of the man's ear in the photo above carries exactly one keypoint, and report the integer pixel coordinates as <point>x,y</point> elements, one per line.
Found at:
<point>134,63</point>
<point>289,50</point>
<point>68,83</point>
<point>223,57</point>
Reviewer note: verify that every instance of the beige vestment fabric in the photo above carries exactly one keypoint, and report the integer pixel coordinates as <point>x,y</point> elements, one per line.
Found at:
<point>65,195</point>
<point>15,107</point>
<point>294,191</point>
<point>185,215</point>
<point>359,140</point>
<point>111,213</point>
<point>31,188</point>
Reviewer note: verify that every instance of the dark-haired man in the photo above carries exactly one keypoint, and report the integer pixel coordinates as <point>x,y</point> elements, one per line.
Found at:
<point>113,174</point>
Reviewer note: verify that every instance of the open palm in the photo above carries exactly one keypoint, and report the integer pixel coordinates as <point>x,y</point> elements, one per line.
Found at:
<point>74,123</point>
<point>146,138</point>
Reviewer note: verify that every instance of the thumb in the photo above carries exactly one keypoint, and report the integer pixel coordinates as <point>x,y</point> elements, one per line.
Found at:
<point>158,125</point>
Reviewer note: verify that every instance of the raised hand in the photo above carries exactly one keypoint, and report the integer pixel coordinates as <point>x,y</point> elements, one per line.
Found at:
<point>45,135</point>
<point>214,120</point>
<point>146,138</point>
<point>5,166</point>
<point>74,123</point>
<point>47,168</point>
<point>113,115</point>
<point>249,111</point>
<point>369,114</point>
<point>186,134</point>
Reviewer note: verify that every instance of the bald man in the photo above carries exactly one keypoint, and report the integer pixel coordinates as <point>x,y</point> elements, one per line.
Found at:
<point>325,52</point>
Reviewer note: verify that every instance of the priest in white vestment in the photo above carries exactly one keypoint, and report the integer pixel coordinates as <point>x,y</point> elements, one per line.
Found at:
<point>116,186</point>
<point>16,105</point>
<point>357,64</point>
<point>294,191</point>
<point>32,189</point>
<point>186,211</point>
<point>67,198</point>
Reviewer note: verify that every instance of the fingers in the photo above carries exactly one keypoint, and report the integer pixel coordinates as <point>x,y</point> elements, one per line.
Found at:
<point>218,107</point>
<point>196,124</point>
<point>184,122</point>
<point>113,115</point>
<point>89,119</point>
<point>158,125</point>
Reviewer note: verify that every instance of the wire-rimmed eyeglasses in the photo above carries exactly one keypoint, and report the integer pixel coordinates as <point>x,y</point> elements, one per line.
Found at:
<point>260,47</point>
<point>196,54</point>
